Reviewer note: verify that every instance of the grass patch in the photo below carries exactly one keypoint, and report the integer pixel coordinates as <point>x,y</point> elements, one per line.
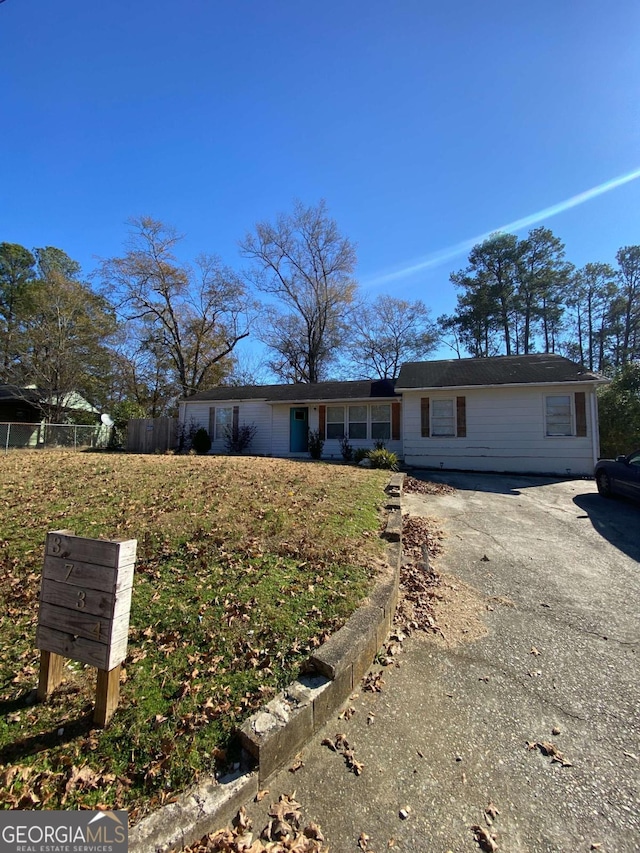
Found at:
<point>244,566</point>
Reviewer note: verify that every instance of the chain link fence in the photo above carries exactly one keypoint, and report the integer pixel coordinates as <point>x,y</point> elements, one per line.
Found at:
<point>42,435</point>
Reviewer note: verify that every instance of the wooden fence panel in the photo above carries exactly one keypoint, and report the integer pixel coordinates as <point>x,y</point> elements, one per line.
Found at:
<point>151,435</point>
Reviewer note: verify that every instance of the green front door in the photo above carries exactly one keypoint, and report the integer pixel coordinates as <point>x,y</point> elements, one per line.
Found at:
<point>299,430</point>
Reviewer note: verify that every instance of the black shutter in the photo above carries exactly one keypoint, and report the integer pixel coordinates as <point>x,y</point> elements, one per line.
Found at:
<point>461,417</point>
<point>424,418</point>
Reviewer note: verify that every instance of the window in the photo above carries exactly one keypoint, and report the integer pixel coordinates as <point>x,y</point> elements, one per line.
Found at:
<point>224,418</point>
<point>381,421</point>
<point>443,420</point>
<point>558,415</point>
<point>335,422</point>
<point>357,421</point>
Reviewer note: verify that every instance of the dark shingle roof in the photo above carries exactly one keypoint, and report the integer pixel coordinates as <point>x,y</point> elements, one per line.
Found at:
<point>13,392</point>
<point>499,370</point>
<point>300,392</point>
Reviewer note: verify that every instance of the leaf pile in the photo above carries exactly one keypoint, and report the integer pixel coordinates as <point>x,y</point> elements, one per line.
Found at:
<point>426,487</point>
<point>244,566</point>
<point>418,533</point>
<point>281,835</point>
<point>419,583</point>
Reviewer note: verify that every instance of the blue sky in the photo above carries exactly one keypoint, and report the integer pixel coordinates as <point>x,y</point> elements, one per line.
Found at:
<point>421,124</point>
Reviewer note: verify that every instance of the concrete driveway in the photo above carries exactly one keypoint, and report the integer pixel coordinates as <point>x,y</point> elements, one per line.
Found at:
<point>548,574</point>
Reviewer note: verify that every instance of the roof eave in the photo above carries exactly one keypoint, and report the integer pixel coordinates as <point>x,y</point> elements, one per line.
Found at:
<point>318,400</point>
<point>296,401</point>
<point>603,381</point>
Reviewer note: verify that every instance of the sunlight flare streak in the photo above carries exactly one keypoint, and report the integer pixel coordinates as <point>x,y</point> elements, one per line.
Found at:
<point>441,256</point>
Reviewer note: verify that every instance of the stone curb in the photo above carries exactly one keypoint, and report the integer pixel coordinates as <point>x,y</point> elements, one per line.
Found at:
<point>203,809</point>
<point>278,731</point>
<point>273,735</point>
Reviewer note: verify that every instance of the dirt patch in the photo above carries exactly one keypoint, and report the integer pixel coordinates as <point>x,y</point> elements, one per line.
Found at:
<point>458,612</point>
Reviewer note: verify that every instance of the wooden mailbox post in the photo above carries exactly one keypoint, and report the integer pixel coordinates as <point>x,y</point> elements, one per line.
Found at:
<point>85,601</point>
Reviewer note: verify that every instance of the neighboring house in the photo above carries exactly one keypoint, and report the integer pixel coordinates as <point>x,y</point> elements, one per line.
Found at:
<point>526,414</point>
<point>23,422</point>
<point>19,405</point>
<point>26,405</point>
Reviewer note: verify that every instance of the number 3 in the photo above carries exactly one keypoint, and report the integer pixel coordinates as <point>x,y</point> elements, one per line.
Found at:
<point>80,602</point>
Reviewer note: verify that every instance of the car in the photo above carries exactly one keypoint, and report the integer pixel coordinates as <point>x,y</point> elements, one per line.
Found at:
<point>620,476</point>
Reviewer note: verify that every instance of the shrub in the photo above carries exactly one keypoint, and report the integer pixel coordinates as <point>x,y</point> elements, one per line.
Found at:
<point>379,444</point>
<point>346,449</point>
<point>201,442</point>
<point>359,454</point>
<point>238,438</point>
<point>186,434</point>
<point>383,459</point>
<point>316,443</point>
<point>619,412</point>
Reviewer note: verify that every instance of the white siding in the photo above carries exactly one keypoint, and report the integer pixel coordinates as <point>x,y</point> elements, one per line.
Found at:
<point>251,412</point>
<point>505,432</point>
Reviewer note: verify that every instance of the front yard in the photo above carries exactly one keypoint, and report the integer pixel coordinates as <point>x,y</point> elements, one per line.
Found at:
<point>244,565</point>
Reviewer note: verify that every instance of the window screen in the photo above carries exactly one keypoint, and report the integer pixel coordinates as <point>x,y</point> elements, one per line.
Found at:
<point>224,418</point>
<point>558,415</point>
<point>442,417</point>
<point>357,421</point>
<point>381,421</point>
<point>335,421</point>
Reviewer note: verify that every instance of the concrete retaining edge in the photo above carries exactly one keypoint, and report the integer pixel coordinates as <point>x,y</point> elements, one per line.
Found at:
<point>273,735</point>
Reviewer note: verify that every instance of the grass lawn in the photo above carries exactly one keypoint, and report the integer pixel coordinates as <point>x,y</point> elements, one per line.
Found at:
<point>244,565</point>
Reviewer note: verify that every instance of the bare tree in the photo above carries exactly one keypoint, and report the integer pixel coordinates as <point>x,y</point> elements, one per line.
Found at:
<point>195,316</point>
<point>304,262</point>
<point>390,331</point>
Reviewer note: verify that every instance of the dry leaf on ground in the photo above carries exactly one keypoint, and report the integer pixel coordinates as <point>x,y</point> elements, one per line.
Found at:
<point>551,751</point>
<point>484,839</point>
<point>373,682</point>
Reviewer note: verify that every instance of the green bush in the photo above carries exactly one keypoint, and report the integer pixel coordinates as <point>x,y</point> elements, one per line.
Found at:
<point>201,442</point>
<point>359,454</point>
<point>383,459</point>
<point>316,444</point>
<point>619,412</point>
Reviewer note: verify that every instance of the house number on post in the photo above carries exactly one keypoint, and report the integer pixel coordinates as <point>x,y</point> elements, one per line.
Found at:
<point>85,601</point>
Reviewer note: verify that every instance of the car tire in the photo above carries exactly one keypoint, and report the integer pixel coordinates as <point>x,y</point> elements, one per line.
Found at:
<point>603,482</point>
